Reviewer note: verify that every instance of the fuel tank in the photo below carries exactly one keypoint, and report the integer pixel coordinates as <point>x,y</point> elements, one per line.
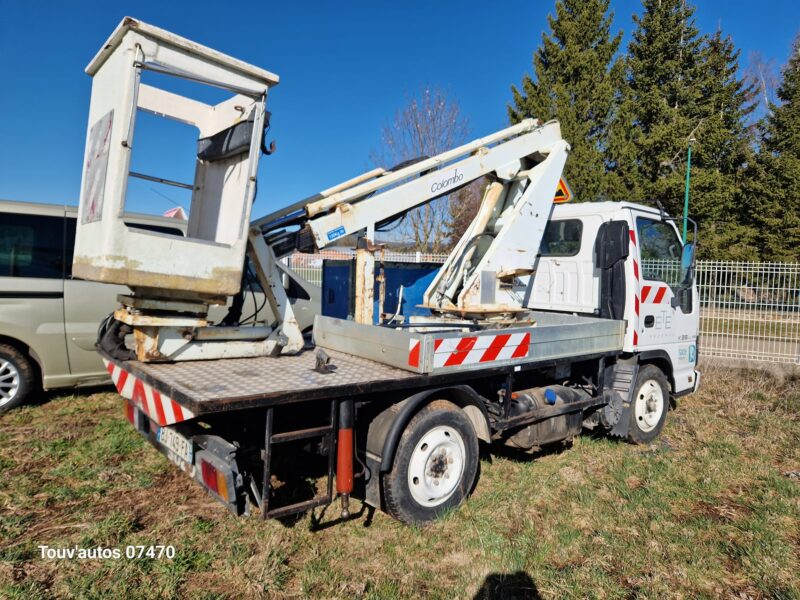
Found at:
<point>547,431</point>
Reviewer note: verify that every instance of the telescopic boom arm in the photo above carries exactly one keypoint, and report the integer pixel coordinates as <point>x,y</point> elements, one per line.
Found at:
<point>523,163</point>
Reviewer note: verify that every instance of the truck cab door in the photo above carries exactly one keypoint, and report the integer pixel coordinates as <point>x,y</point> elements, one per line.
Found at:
<point>669,314</point>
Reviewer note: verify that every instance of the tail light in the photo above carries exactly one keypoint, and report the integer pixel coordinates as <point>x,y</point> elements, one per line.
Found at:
<point>214,480</point>
<point>216,468</point>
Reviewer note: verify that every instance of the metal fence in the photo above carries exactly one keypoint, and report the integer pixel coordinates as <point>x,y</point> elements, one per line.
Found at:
<point>309,266</point>
<point>748,310</point>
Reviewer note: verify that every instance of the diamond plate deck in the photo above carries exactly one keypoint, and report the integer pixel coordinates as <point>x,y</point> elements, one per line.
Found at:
<point>214,385</point>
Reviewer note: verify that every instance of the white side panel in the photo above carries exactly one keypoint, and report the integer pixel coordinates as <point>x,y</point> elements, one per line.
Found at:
<point>569,283</point>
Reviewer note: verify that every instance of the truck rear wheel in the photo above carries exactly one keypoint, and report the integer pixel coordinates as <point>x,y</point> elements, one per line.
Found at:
<point>17,378</point>
<point>435,464</point>
<point>649,406</point>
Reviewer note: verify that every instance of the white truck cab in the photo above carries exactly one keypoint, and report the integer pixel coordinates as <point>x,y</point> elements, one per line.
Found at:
<point>659,304</point>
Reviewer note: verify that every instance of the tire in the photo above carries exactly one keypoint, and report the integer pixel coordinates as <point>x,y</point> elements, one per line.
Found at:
<point>435,464</point>
<point>17,378</point>
<point>649,406</point>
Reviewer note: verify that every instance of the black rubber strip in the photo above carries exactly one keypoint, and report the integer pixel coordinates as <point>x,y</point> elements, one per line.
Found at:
<point>31,294</point>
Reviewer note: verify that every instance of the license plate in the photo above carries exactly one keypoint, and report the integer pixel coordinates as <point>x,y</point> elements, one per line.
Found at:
<point>176,444</point>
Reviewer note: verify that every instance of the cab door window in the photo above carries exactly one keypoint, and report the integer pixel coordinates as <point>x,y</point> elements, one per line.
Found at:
<point>660,250</point>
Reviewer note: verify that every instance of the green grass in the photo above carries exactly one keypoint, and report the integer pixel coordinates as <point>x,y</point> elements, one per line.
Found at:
<point>752,327</point>
<point>706,512</point>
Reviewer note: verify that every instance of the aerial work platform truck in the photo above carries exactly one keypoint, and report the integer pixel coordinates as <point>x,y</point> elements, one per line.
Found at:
<point>545,320</point>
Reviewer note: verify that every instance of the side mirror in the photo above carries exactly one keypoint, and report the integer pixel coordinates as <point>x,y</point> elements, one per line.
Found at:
<point>683,295</point>
<point>687,263</point>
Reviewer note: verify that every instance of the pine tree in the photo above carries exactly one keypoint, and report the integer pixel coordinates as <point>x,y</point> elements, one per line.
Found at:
<point>774,193</point>
<point>679,85</point>
<point>573,83</point>
<point>721,154</point>
<point>660,102</point>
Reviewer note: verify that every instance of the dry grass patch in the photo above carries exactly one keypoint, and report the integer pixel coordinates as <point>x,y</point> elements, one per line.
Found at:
<point>705,512</point>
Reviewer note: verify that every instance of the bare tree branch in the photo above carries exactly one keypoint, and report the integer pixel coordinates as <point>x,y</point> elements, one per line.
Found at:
<point>430,123</point>
<point>764,74</point>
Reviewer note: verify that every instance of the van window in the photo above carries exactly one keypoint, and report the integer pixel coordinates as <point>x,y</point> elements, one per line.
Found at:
<point>71,222</point>
<point>562,238</point>
<point>31,246</point>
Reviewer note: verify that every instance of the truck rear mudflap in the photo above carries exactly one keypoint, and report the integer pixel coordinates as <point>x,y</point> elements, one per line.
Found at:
<point>208,459</point>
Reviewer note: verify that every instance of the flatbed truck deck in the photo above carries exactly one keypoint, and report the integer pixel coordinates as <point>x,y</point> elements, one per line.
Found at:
<point>205,387</point>
<point>227,415</point>
<point>210,387</point>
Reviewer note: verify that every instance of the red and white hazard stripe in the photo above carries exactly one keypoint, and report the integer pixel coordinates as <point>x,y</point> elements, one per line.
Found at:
<point>160,408</point>
<point>654,294</point>
<point>635,287</point>
<point>469,350</point>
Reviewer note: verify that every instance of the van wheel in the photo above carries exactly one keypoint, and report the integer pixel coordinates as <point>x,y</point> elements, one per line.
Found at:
<point>435,464</point>
<point>649,406</point>
<point>17,378</point>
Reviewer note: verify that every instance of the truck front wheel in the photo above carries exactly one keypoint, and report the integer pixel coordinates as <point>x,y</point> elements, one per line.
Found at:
<point>435,465</point>
<point>650,404</point>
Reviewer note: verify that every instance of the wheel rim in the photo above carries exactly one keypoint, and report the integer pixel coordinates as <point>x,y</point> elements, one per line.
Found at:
<point>649,405</point>
<point>436,466</point>
<point>9,381</point>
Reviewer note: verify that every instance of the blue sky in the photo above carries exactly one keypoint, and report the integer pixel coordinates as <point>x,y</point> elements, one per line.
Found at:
<point>345,68</point>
